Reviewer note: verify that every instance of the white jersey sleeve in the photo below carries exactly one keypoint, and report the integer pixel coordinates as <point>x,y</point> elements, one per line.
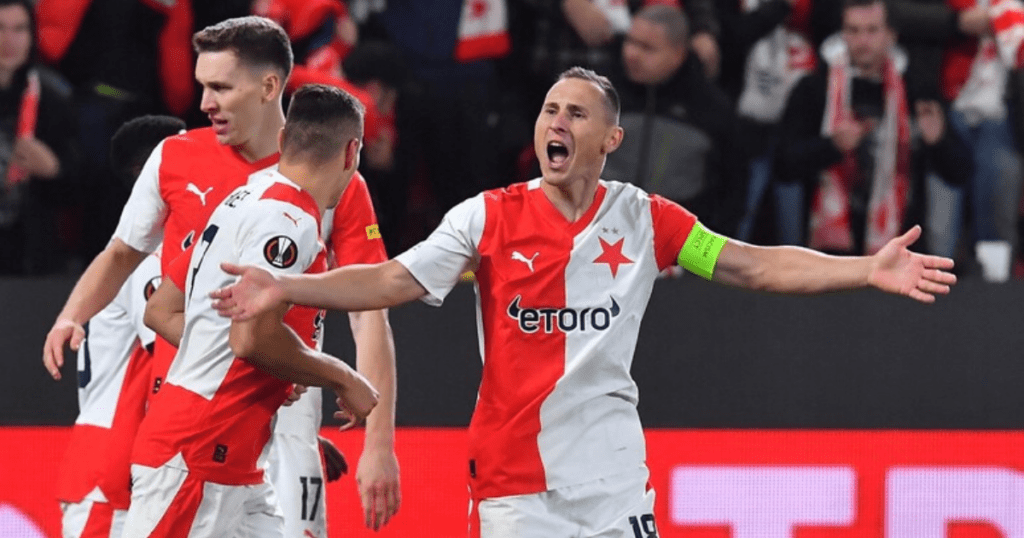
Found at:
<point>452,249</point>
<point>272,240</point>
<point>143,216</point>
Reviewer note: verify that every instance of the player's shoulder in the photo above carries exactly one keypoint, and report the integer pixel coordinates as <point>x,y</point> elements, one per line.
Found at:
<point>192,144</point>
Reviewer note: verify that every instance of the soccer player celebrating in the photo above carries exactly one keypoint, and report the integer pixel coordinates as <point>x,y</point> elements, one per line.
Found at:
<point>195,470</point>
<point>242,65</point>
<point>565,265</point>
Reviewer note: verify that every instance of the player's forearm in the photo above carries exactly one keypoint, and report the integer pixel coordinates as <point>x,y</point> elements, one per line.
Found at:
<point>375,359</point>
<point>789,269</point>
<point>269,345</point>
<point>101,281</point>
<point>165,312</point>
<point>354,287</point>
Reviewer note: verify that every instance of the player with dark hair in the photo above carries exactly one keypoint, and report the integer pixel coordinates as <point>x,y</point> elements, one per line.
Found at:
<point>242,66</point>
<point>195,463</point>
<point>565,265</point>
<point>113,372</point>
<point>134,141</point>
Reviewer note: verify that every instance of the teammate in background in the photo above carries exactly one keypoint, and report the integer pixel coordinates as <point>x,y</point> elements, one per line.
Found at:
<point>113,372</point>
<point>195,470</point>
<point>242,64</point>
<point>565,265</point>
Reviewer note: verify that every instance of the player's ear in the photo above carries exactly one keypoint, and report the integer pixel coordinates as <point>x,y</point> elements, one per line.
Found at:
<point>352,154</point>
<point>272,85</point>
<point>613,139</point>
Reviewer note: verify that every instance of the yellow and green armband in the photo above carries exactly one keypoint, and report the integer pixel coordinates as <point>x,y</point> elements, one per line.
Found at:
<point>700,251</point>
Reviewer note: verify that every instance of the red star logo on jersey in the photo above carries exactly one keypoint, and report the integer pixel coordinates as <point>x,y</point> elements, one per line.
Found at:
<point>612,255</point>
<point>478,8</point>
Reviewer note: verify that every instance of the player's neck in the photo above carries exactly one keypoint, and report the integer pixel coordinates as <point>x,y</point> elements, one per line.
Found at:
<point>319,181</point>
<point>264,144</point>
<point>571,199</point>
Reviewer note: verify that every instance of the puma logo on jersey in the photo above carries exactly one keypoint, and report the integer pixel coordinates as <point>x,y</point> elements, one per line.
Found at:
<point>191,187</point>
<point>294,220</point>
<point>519,257</point>
<point>548,319</point>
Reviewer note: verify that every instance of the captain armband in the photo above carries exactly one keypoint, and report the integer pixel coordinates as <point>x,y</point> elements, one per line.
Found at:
<point>700,252</point>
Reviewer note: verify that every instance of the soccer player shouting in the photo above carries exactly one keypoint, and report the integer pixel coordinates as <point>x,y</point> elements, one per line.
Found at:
<point>565,265</point>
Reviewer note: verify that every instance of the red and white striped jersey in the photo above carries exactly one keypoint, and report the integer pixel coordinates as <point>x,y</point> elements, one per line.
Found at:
<point>559,310</point>
<point>184,179</point>
<point>113,378</point>
<point>215,409</point>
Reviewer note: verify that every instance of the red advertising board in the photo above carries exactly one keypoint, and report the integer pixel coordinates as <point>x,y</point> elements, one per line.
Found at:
<point>710,484</point>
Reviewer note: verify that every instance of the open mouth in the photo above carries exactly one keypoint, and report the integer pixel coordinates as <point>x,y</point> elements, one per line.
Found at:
<point>557,153</point>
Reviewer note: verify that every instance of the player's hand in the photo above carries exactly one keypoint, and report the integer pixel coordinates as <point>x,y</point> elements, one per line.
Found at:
<point>295,394</point>
<point>849,132</point>
<point>705,46</point>
<point>334,461</point>
<point>255,293</point>
<point>896,269</point>
<point>355,400</point>
<point>64,331</point>
<point>379,487</point>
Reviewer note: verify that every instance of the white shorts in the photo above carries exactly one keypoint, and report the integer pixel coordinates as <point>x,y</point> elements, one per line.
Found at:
<point>295,470</point>
<point>91,519</point>
<point>168,501</point>
<point>618,506</point>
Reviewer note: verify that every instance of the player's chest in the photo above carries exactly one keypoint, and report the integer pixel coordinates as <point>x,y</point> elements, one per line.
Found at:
<point>191,197</point>
<point>609,251</point>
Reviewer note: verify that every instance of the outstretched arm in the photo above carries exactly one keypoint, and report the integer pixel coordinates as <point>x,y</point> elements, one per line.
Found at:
<point>270,345</point>
<point>349,288</point>
<point>95,289</point>
<point>894,269</point>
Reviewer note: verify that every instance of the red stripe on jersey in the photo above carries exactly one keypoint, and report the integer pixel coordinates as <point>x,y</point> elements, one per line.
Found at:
<point>97,525</point>
<point>178,519</point>
<point>521,369</point>
<point>672,225</point>
<point>212,169</point>
<point>220,439</point>
<point>351,241</point>
<point>295,196</point>
<point>98,456</point>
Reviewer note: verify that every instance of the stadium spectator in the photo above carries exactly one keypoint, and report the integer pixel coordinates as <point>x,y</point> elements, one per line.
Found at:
<point>974,76</point>
<point>679,126</point>
<point>38,157</point>
<point>767,50</point>
<point>847,136</point>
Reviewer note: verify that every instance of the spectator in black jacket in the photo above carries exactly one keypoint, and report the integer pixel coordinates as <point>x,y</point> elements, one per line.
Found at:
<point>679,126</point>
<point>37,158</point>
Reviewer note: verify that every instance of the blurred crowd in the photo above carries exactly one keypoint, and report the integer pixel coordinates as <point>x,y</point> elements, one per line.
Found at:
<point>828,123</point>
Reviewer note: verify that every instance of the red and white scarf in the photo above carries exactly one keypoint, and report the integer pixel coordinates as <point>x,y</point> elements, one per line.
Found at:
<point>483,31</point>
<point>1007,18</point>
<point>830,208</point>
<point>28,112</point>
<point>774,65</point>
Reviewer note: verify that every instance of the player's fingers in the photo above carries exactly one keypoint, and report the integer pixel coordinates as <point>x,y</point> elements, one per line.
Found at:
<point>941,277</point>
<point>77,337</point>
<point>938,262</point>
<point>381,514</point>
<point>232,269</point>
<point>933,287</point>
<point>919,295</point>
<point>50,359</point>
<point>911,236</point>
<point>222,295</point>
